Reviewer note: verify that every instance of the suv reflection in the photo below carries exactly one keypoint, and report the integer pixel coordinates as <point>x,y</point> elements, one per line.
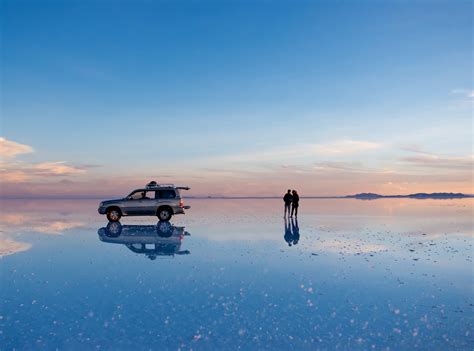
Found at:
<point>162,239</point>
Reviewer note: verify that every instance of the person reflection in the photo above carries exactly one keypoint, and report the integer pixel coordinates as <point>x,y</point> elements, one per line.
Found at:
<point>292,232</point>
<point>288,234</point>
<point>295,230</point>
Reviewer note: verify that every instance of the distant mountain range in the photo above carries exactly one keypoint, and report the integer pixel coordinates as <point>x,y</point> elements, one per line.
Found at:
<point>372,196</point>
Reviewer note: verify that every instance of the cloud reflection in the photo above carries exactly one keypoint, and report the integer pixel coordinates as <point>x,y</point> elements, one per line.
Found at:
<point>20,223</point>
<point>12,224</point>
<point>9,246</point>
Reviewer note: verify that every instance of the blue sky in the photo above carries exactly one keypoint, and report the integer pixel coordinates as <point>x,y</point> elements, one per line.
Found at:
<point>200,91</point>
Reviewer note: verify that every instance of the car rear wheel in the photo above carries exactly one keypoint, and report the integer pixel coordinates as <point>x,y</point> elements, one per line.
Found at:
<point>113,215</point>
<point>164,214</point>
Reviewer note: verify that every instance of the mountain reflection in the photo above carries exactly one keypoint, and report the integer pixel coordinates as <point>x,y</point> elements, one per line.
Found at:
<point>162,239</point>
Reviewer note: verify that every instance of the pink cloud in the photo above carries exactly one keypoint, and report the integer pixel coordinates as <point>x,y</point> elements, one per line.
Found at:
<point>10,149</point>
<point>331,181</point>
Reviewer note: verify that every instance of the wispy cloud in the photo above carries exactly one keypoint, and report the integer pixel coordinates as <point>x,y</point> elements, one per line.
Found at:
<point>439,162</point>
<point>350,167</point>
<point>10,149</point>
<point>345,147</point>
<point>12,170</point>
<point>9,175</point>
<point>21,172</point>
<point>416,148</point>
<point>300,151</point>
<point>58,168</point>
<point>467,93</point>
<point>334,168</point>
<point>422,159</point>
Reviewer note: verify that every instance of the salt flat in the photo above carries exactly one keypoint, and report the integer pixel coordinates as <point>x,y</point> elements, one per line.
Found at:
<point>348,274</point>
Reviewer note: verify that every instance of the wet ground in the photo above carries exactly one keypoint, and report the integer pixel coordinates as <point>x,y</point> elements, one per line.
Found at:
<point>233,274</point>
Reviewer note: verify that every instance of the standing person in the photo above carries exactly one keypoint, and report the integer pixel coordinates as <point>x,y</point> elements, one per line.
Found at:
<point>287,199</point>
<point>295,204</point>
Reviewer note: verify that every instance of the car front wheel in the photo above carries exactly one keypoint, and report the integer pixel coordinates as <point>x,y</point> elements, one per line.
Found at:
<point>164,214</point>
<point>114,215</point>
<point>114,229</point>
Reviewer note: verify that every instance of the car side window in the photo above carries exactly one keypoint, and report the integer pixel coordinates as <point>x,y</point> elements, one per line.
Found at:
<point>150,195</point>
<point>135,196</point>
<point>166,194</point>
<point>145,195</point>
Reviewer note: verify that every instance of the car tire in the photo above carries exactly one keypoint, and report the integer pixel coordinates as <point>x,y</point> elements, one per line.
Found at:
<point>114,215</point>
<point>114,229</point>
<point>164,229</point>
<point>164,214</point>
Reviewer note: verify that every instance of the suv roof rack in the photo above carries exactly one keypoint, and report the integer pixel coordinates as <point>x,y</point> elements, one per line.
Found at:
<point>155,185</point>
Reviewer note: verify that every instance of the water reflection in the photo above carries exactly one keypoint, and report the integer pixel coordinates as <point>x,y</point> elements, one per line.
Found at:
<point>292,231</point>
<point>10,246</point>
<point>401,268</point>
<point>162,239</point>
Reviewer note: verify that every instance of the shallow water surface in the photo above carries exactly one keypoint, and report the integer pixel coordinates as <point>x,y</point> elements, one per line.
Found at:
<point>233,274</point>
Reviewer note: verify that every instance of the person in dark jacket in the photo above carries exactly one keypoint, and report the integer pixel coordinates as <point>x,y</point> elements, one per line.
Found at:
<point>295,204</point>
<point>287,200</point>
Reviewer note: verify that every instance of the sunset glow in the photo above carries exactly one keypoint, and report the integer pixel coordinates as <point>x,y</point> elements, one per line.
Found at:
<point>301,96</point>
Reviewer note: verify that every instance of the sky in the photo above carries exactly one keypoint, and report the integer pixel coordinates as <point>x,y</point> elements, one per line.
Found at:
<point>236,98</point>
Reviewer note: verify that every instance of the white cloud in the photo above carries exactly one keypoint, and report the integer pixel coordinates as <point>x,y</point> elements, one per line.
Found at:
<point>19,172</point>
<point>299,151</point>
<point>15,171</point>
<point>468,93</point>
<point>349,167</point>
<point>56,168</point>
<point>440,162</point>
<point>345,147</point>
<point>10,149</point>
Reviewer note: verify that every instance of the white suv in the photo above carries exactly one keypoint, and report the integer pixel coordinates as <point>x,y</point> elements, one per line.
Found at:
<point>161,200</point>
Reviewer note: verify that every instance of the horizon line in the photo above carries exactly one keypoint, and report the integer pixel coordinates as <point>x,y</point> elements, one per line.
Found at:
<point>86,197</point>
